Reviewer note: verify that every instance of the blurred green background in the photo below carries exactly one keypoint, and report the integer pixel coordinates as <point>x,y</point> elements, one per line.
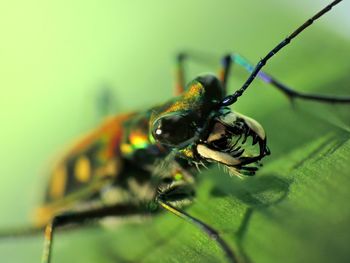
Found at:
<point>56,57</point>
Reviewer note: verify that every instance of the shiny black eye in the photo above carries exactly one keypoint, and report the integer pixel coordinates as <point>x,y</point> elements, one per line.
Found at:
<point>173,130</point>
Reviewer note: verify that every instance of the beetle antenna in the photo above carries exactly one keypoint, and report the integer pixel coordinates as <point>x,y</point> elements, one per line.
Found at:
<point>233,98</point>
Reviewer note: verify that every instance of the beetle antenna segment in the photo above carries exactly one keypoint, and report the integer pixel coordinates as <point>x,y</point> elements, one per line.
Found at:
<point>229,100</point>
<point>212,233</point>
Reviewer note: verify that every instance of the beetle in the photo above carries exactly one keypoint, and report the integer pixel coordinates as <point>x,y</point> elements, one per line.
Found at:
<point>118,169</point>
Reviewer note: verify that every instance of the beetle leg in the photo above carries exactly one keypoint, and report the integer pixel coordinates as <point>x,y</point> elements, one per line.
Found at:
<point>105,102</point>
<point>178,190</point>
<point>208,230</point>
<point>180,81</point>
<point>78,218</point>
<point>234,58</point>
<point>228,60</point>
<point>225,71</point>
<point>203,58</point>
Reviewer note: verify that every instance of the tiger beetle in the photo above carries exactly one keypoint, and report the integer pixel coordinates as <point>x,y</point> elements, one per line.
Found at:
<point>116,170</point>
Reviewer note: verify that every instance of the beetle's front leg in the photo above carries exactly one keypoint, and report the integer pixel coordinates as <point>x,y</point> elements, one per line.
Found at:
<point>176,191</point>
<point>177,186</point>
<point>166,201</point>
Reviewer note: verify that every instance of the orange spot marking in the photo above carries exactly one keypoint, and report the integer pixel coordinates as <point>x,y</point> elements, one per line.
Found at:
<point>126,148</point>
<point>112,168</point>
<point>82,169</point>
<point>58,182</point>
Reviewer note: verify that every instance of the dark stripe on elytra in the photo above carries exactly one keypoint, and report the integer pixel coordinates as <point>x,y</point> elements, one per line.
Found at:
<point>71,183</point>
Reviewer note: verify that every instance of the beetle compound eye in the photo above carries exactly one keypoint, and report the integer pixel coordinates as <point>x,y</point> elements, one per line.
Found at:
<point>173,130</point>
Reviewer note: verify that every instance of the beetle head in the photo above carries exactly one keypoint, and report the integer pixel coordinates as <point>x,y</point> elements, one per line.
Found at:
<point>199,129</point>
